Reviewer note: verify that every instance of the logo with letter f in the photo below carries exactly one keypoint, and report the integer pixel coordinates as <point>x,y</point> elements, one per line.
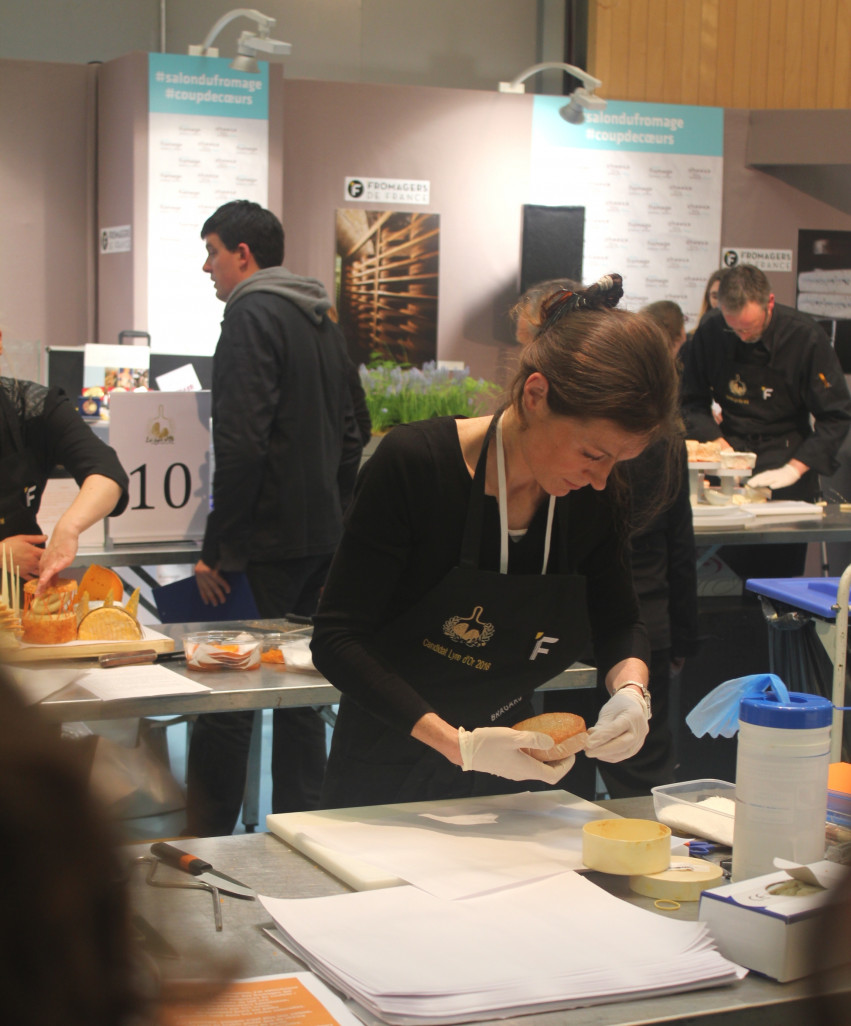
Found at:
<point>541,640</point>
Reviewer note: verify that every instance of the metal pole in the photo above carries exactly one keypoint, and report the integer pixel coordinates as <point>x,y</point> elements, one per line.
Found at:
<point>839,661</point>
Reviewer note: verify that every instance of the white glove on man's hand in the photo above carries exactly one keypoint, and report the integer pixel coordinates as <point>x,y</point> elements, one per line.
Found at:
<point>621,727</point>
<point>782,477</point>
<point>497,750</point>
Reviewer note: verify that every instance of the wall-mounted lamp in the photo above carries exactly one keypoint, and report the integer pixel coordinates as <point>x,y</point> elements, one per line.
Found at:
<point>249,44</point>
<point>580,100</point>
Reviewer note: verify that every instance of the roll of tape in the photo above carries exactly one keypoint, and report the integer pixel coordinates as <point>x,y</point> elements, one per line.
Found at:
<point>684,880</point>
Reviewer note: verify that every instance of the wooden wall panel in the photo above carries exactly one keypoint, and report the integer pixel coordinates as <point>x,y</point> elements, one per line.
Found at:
<point>725,81</point>
<point>810,57</point>
<point>637,52</point>
<point>691,50</point>
<point>757,54</point>
<point>668,30</point>
<point>842,77</point>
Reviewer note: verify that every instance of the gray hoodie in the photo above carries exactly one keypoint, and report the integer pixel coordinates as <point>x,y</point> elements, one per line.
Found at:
<point>308,294</point>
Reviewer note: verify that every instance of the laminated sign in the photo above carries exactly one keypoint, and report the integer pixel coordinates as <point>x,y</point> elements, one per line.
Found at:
<point>163,442</point>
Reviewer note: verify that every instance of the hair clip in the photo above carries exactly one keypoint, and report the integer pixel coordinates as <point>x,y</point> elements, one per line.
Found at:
<point>606,291</point>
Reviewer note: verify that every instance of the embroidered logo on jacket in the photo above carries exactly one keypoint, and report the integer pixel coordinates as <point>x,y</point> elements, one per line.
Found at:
<point>738,387</point>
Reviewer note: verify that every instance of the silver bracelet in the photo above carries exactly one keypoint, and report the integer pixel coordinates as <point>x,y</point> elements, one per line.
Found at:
<point>636,684</point>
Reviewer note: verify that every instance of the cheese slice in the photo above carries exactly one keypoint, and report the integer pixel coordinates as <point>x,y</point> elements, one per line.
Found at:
<point>109,623</point>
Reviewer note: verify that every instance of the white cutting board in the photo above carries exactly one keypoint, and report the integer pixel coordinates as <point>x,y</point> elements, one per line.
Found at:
<point>294,828</point>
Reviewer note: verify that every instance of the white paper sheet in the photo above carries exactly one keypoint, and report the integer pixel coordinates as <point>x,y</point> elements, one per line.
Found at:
<point>148,681</point>
<point>409,956</point>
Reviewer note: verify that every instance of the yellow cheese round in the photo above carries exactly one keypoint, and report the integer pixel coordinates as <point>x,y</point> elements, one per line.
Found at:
<point>109,623</point>
<point>626,846</point>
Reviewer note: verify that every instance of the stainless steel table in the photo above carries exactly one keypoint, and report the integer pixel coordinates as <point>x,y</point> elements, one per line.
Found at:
<point>185,920</point>
<point>269,687</point>
<point>138,554</point>
<point>834,526</point>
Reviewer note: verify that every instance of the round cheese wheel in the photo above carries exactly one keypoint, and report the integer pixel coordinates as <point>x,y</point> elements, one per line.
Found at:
<point>49,619</point>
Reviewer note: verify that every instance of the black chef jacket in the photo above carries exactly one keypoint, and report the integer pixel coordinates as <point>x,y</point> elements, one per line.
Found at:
<point>768,391</point>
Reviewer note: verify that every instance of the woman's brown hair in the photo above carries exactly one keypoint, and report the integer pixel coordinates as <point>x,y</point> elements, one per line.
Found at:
<point>603,363</point>
<point>607,364</point>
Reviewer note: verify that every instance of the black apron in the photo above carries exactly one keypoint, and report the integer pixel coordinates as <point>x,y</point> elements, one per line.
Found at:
<point>21,478</point>
<point>475,647</point>
<point>767,396</point>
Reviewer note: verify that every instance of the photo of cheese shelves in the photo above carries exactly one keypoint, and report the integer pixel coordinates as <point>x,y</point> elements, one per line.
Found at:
<point>387,273</point>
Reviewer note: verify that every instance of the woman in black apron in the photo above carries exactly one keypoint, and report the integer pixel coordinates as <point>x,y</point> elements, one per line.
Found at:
<point>40,430</point>
<point>476,564</point>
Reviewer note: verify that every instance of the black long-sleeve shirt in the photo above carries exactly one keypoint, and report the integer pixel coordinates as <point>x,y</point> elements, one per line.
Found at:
<point>663,557</point>
<point>403,535</point>
<point>54,433</point>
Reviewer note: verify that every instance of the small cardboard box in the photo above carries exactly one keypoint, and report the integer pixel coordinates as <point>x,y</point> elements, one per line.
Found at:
<point>771,932</point>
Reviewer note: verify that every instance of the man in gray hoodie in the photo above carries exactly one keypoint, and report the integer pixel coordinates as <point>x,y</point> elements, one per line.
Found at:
<point>287,451</point>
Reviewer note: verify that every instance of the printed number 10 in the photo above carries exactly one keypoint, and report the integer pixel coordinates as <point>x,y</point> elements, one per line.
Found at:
<point>168,485</point>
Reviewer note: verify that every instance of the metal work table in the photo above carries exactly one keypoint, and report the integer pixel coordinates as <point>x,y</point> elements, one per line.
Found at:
<point>185,920</point>
<point>138,554</point>
<point>834,526</point>
<point>269,687</point>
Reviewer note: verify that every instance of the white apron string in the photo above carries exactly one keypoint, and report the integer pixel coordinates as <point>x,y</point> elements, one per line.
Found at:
<point>503,509</point>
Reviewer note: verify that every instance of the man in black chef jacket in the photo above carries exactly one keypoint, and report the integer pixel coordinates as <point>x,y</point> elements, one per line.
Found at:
<point>782,394</point>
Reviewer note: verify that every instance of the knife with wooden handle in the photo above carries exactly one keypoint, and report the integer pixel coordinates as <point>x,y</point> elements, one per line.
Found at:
<point>140,657</point>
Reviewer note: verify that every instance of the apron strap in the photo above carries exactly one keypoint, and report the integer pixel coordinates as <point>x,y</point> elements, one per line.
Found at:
<point>471,544</point>
<point>475,509</point>
<point>503,508</point>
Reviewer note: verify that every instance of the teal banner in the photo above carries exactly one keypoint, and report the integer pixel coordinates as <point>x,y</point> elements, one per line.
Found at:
<point>206,85</point>
<point>633,127</point>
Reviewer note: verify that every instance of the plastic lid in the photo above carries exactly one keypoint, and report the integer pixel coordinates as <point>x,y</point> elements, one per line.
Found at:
<point>793,710</point>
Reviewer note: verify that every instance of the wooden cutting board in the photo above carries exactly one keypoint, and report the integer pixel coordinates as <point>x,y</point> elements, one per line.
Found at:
<point>88,649</point>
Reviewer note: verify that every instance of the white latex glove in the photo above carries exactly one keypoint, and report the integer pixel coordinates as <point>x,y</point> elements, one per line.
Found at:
<point>782,477</point>
<point>497,750</point>
<point>567,748</point>
<point>621,727</point>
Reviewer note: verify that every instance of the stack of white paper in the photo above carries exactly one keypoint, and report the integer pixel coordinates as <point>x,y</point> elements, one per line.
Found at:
<point>410,957</point>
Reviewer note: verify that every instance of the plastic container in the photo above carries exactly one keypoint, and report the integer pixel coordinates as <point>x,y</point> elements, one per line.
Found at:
<point>781,780</point>
<point>221,650</point>
<point>731,460</point>
<point>839,794</point>
<point>271,651</point>
<point>697,808</point>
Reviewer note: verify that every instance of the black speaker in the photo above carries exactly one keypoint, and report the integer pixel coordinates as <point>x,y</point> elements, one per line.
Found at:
<point>553,240</point>
<point>163,362</point>
<point>65,369</point>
